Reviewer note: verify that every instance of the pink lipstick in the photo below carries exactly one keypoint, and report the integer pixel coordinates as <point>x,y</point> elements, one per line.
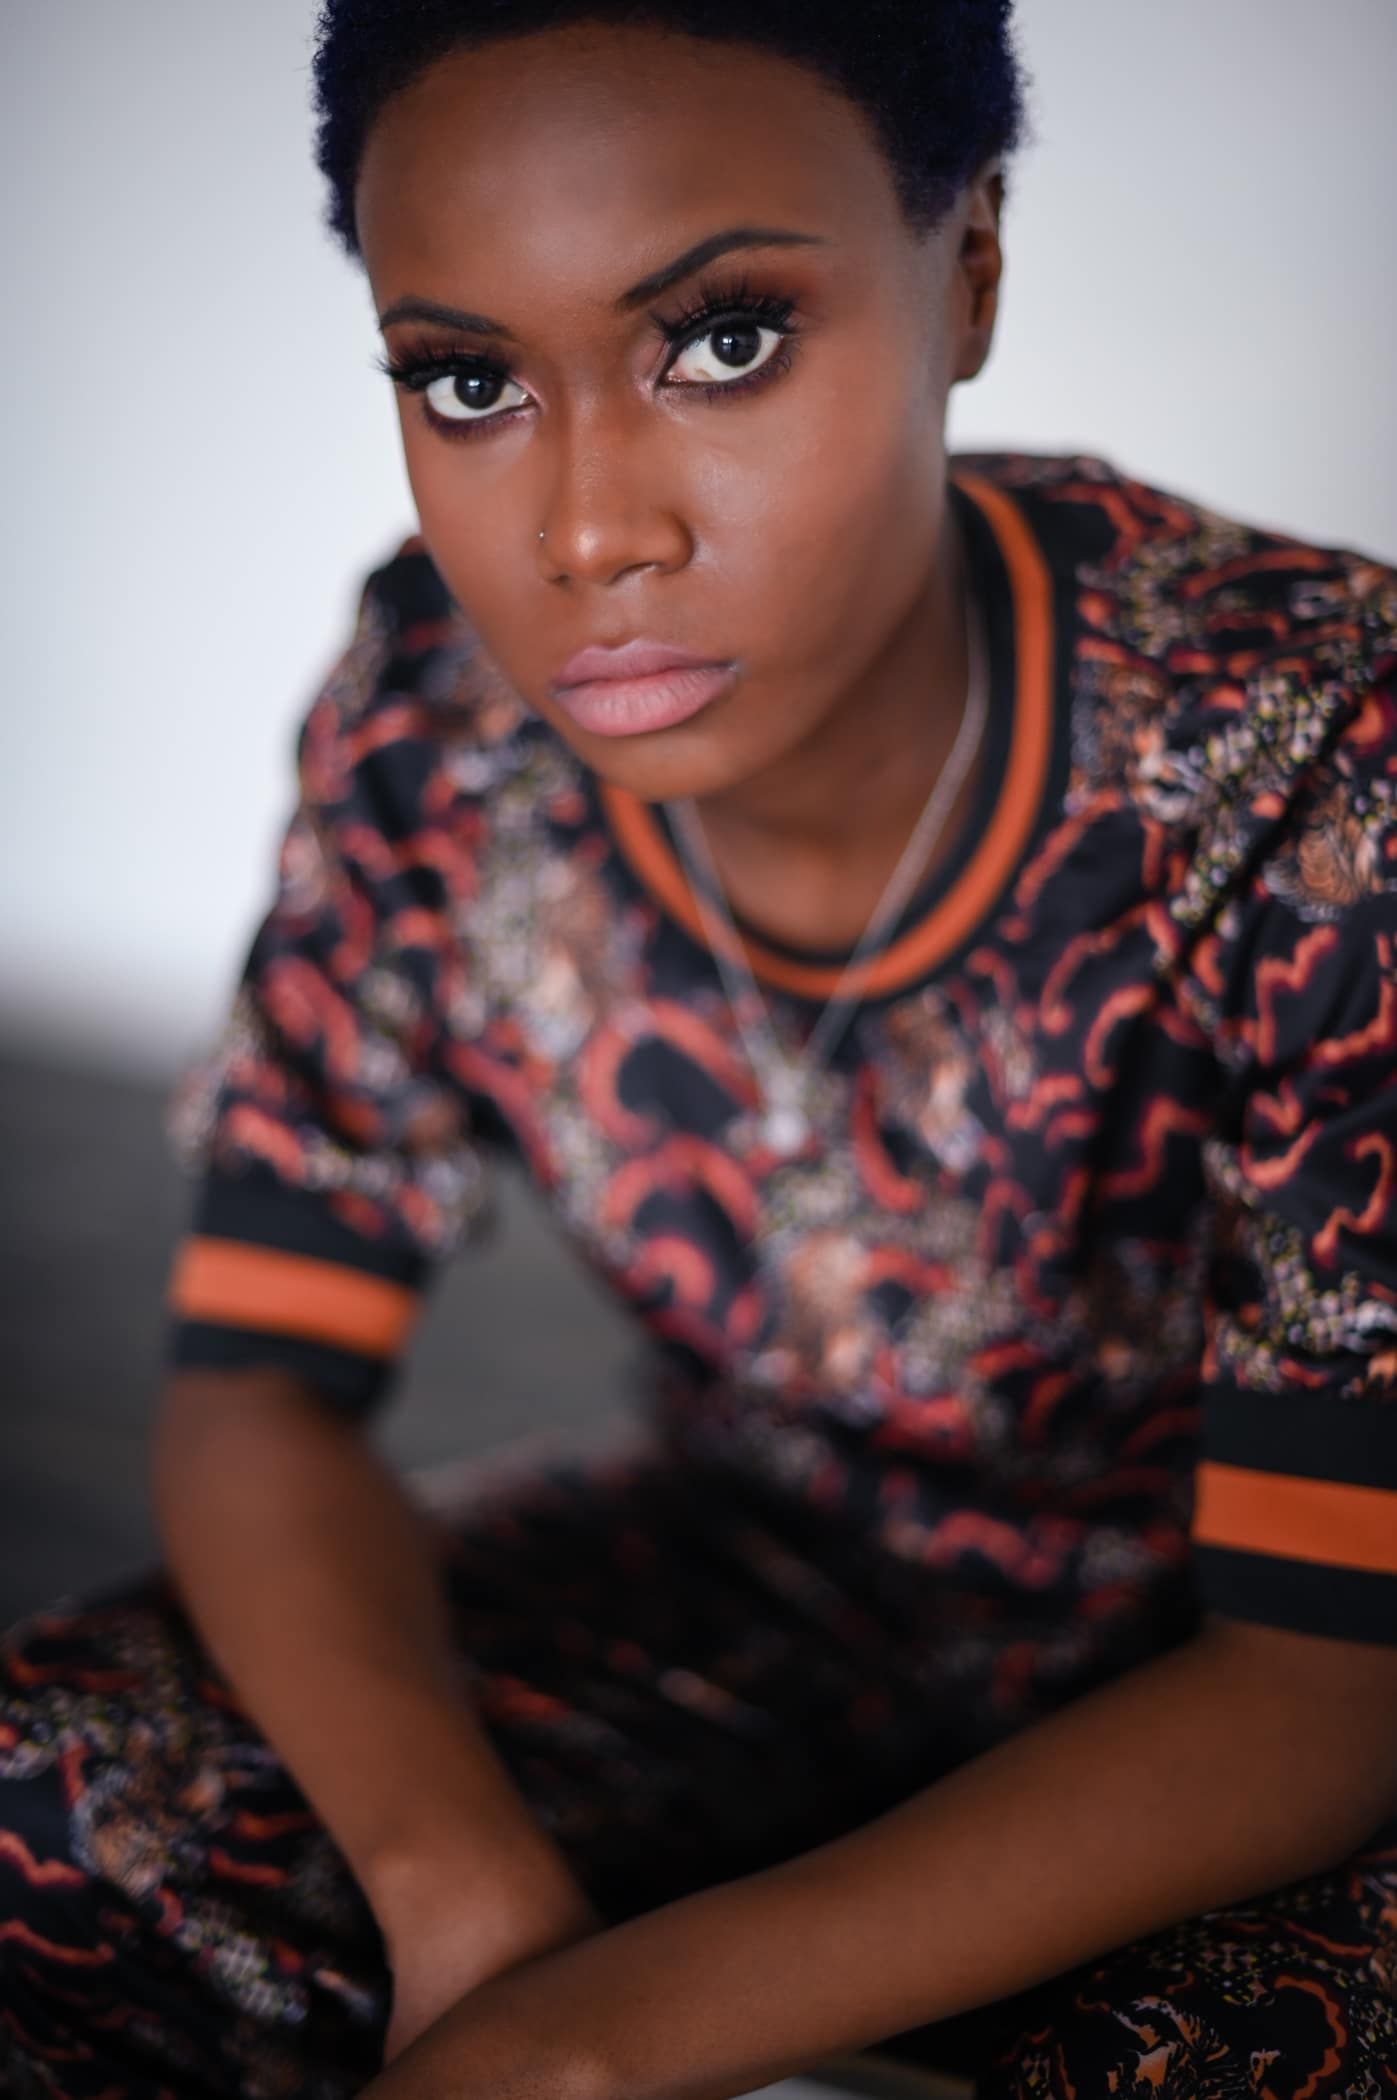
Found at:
<point>638,687</point>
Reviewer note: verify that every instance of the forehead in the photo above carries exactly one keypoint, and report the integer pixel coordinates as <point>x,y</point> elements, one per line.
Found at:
<point>598,149</point>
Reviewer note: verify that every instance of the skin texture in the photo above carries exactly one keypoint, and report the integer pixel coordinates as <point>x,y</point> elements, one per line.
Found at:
<point>799,527</point>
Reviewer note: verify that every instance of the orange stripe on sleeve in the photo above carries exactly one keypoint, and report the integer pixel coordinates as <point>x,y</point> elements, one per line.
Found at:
<point>1296,1519</point>
<point>231,1284</point>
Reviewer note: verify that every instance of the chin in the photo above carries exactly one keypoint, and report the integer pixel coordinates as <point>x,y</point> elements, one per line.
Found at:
<point>659,768</point>
<point>699,757</point>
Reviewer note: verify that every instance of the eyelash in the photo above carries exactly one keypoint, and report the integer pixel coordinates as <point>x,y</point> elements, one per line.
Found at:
<point>419,363</point>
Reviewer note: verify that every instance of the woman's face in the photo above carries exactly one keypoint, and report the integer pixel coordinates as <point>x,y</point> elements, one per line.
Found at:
<point>745,463</point>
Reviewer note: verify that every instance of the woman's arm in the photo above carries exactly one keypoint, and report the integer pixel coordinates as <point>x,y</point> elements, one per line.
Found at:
<point>1240,1760</point>
<point>314,1584</point>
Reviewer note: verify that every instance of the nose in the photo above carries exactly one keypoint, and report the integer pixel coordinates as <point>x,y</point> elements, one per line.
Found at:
<point>611,509</point>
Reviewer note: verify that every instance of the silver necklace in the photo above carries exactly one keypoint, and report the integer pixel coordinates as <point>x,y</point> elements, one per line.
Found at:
<point>784,1082</point>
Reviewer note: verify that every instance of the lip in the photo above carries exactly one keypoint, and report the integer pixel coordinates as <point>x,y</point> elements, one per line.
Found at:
<point>638,687</point>
<point>633,659</point>
<point>637,706</point>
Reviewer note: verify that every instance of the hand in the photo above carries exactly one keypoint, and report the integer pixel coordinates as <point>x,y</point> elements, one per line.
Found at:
<point>447,1932</point>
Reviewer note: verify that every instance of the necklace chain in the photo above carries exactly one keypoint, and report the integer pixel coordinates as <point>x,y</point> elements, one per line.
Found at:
<point>783,1081</point>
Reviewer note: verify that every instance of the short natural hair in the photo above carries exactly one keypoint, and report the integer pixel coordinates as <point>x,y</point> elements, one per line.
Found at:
<point>939,79</point>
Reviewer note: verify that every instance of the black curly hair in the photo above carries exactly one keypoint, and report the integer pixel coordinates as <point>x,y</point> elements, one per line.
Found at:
<point>939,79</point>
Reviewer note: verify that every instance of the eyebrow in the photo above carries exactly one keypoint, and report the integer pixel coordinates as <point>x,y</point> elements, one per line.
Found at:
<point>671,273</point>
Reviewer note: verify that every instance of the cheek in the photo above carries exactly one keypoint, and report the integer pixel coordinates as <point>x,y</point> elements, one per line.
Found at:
<point>830,529</point>
<point>446,493</point>
<point>466,524</point>
<point>849,430</point>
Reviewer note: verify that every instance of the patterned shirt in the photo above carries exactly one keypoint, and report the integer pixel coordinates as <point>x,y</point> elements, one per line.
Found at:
<point>1077,1316</point>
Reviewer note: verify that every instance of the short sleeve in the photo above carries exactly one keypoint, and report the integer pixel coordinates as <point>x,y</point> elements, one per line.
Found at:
<point>331,1154</point>
<point>1295,1516</point>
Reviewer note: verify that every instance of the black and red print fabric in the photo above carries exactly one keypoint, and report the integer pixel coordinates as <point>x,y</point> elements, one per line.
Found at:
<point>1076,1318</point>
<point>1080,1308</point>
<point>686,1683</point>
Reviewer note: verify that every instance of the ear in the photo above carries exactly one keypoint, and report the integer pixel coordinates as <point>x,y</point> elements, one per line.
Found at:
<point>978,268</point>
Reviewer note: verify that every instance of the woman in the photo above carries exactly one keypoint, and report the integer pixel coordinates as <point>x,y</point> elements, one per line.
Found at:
<point>928,926</point>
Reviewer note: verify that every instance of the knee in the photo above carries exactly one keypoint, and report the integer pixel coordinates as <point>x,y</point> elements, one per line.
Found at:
<point>1188,2024</point>
<point>86,1786</point>
<point>57,1953</point>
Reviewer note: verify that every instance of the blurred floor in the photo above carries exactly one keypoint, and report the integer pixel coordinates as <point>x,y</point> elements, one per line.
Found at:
<point>516,1337</point>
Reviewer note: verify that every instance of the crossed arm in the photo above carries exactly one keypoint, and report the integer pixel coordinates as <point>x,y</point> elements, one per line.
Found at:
<point>1244,1758</point>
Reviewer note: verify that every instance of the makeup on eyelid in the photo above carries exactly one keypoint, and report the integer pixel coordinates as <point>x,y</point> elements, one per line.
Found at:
<point>420,364</point>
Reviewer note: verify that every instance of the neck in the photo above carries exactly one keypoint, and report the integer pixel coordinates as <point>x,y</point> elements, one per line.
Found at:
<point>803,851</point>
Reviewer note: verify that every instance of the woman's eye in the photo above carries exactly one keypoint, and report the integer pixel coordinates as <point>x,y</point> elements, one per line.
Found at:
<point>470,397</point>
<point>730,351</point>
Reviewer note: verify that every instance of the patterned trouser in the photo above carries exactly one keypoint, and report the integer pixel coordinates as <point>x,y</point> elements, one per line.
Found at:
<point>682,1697</point>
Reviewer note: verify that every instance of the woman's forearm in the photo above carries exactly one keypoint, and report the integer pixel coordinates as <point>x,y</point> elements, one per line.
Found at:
<point>1210,1774</point>
<point>313,1581</point>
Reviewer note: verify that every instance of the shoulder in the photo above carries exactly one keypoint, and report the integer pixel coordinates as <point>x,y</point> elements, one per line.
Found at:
<point>411,712</point>
<point>413,645</point>
<point>1090,504</point>
<point>1235,685</point>
<point>1196,591</point>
